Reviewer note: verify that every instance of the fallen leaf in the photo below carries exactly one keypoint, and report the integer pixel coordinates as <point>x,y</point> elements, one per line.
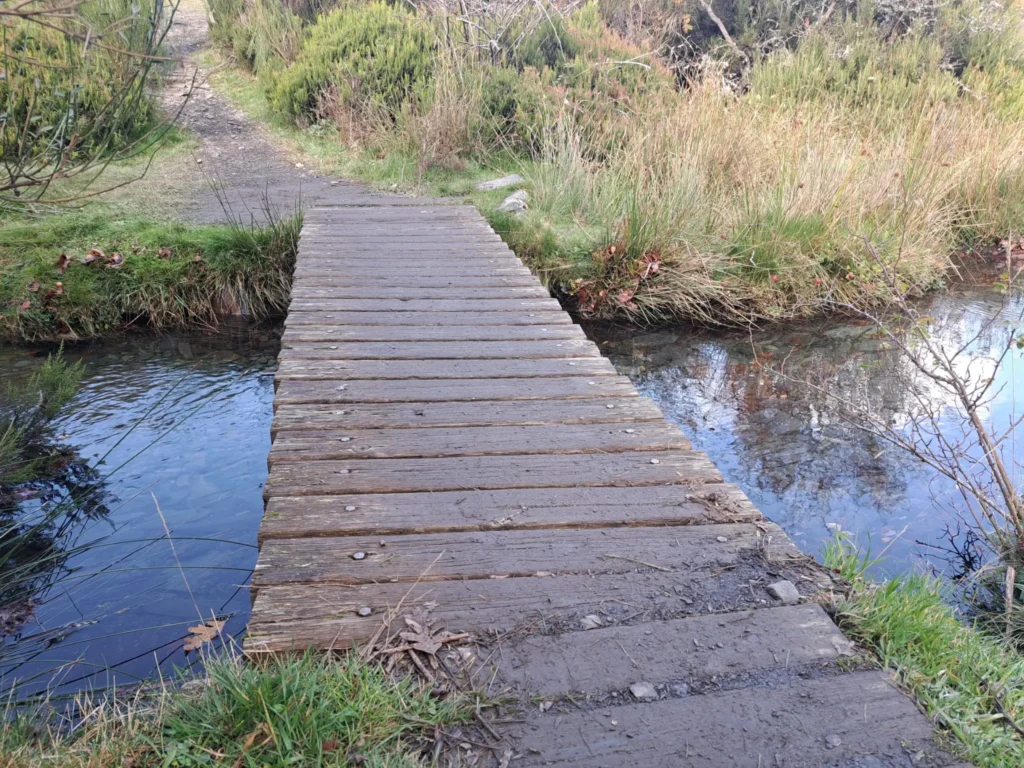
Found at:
<point>62,263</point>
<point>202,634</point>
<point>164,253</point>
<point>419,638</point>
<point>26,304</point>
<point>34,287</point>
<point>330,745</point>
<point>114,260</point>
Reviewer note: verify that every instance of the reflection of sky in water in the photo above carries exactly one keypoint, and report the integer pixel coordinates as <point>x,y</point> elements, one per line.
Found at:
<point>785,446</point>
<point>207,475</point>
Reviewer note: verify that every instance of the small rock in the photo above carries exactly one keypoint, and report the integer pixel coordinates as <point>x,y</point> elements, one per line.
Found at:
<point>358,555</point>
<point>546,705</point>
<point>832,741</point>
<point>591,621</point>
<point>365,611</point>
<point>504,181</point>
<point>643,691</point>
<point>680,689</point>
<point>350,508</point>
<point>383,543</point>
<point>785,591</point>
<point>514,203</point>
<point>722,539</point>
<point>655,461</point>
<point>299,165</point>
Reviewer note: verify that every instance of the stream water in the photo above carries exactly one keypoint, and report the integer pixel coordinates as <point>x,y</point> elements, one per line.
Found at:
<point>178,429</point>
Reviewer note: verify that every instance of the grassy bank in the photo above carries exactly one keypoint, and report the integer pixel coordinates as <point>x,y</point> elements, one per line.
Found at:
<point>80,275</point>
<point>760,176</point>
<point>310,710</point>
<point>967,680</point>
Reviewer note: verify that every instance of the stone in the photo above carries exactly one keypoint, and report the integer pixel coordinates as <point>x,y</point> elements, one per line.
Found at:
<point>832,741</point>
<point>504,181</point>
<point>680,689</point>
<point>591,621</point>
<point>365,611</point>
<point>785,591</point>
<point>643,691</point>
<point>514,203</point>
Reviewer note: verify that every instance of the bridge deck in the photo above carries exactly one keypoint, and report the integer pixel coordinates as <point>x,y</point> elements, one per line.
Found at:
<point>446,438</point>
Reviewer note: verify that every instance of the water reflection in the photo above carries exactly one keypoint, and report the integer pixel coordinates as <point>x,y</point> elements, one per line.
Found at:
<point>172,422</point>
<point>786,445</point>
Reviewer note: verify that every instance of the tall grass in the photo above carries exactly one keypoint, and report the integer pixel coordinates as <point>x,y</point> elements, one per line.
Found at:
<point>969,682</point>
<point>300,710</point>
<point>78,276</point>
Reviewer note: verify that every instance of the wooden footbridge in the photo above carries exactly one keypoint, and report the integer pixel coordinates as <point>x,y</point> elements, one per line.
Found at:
<point>445,439</point>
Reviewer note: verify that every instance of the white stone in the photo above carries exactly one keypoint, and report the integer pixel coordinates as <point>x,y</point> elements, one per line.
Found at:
<point>504,181</point>
<point>785,591</point>
<point>514,203</point>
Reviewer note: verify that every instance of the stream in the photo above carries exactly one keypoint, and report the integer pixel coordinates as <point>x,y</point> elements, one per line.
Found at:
<point>177,428</point>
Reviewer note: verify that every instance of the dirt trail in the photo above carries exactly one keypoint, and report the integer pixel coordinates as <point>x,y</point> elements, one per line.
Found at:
<point>238,167</point>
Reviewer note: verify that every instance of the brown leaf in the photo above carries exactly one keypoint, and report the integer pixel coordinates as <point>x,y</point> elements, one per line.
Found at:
<point>34,287</point>
<point>26,305</point>
<point>62,263</point>
<point>330,745</point>
<point>164,253</point>
<point>202,634</point>
<point>419,638</point>
<point>114,261</point>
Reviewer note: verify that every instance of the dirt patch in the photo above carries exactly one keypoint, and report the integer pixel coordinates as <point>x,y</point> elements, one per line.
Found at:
<point>237,169</point>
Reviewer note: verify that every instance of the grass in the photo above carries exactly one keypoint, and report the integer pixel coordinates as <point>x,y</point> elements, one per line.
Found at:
<point>714,203</point>
<point>969,682</point>
<point>80,275</point>
<point>301,710</point>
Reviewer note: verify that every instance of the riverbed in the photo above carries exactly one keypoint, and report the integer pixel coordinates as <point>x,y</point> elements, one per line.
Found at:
<point>177,429</point>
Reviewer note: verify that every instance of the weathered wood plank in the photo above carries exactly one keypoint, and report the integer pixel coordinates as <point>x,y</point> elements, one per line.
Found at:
<point>427,390</point>
<point>359,475</point>
<point>369,270</point>
<point>425,305</point>
<point>321,279</point>
<point>405,292</point>
<point>595,507</point>
<point>873,725</point>
<point>299,316</point>
<point>483,413</point>
<point>438,350</point>
<point>508,553</point>
<point>692,651</point>
<point>441,369</point>
<point>297,333</point>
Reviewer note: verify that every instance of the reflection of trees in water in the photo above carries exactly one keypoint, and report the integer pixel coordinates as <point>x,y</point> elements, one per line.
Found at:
<point>792,442</point>
<point>41,525</point>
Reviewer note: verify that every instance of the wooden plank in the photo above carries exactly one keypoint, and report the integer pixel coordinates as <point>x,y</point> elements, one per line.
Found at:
<point>290,517</point>
<point>483,413</point>
<point>510,553</point>
<point>326,280</point>
<point>298,333</point>
<point>307,291</point>
<point>692,651</point>
<point>546,317</point>
<point>367,270</point>
<point>358,475</point>
<point>425,305</point>
<point>342,370</point>
<point>476,441</point>
<point>465,390</point>
<point>438,350</point>
<point>873,725</point>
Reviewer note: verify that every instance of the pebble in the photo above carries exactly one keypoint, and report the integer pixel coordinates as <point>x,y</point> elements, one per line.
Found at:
<point>630,431</point>
<point>832,741</point>
<point>591,621</point>
<point>655,461</point>
<point>785,591</point>
<point>365,611</point>
<point>722,539</point>
<point>643,691</point>
<point>546,705</point>
<point>358,555</point>
<point>350,508</point>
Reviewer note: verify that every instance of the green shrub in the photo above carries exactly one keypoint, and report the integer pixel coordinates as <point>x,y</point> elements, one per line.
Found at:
<point>374,54</point>
<point>263,34</point>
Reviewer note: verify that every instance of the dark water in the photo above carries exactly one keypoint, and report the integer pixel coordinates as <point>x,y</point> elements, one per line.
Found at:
<point>200,416</point>
<point>788,447</point>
